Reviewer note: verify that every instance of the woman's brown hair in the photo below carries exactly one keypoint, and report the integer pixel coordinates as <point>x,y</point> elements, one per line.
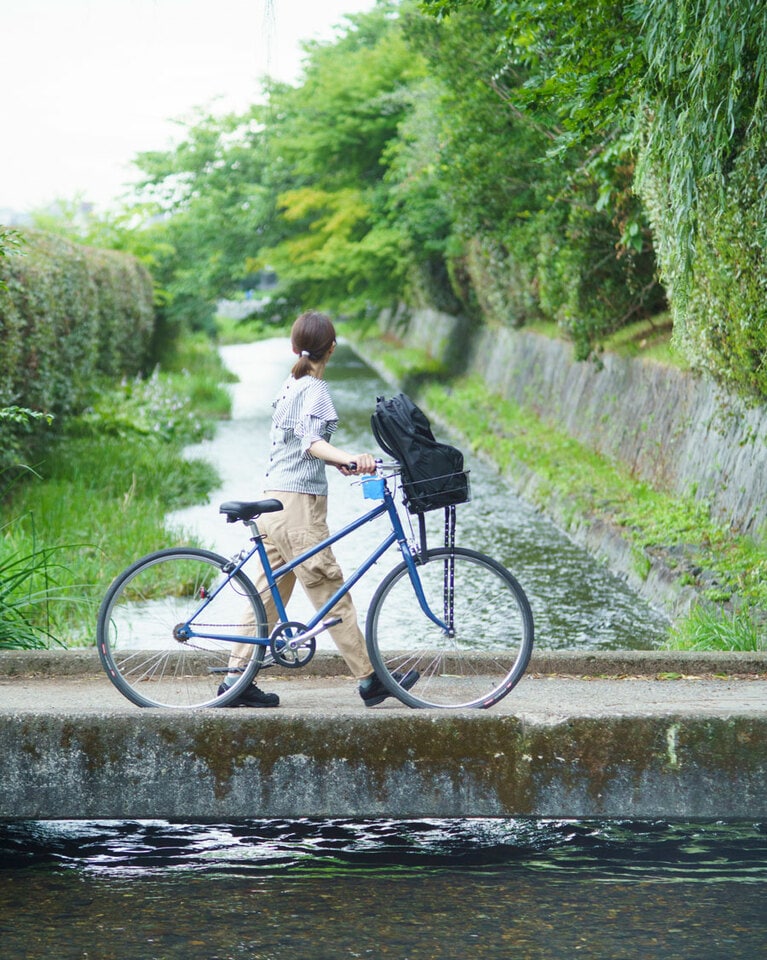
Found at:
<point>311,337</point>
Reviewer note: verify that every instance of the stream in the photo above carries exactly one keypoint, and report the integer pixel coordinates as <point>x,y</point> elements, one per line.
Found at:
<point>578,604</point>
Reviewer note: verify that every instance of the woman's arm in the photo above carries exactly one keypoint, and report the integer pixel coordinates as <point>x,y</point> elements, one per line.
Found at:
<point>365,462</point>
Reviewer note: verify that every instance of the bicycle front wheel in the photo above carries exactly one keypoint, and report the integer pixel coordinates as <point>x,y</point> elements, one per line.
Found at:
<point>160,627</point>
<point>483,653</point>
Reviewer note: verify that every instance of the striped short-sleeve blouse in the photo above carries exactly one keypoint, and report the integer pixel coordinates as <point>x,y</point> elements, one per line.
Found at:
<point>303,411</point>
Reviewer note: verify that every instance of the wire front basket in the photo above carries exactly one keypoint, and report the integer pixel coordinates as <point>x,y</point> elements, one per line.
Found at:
<point>432,493</point>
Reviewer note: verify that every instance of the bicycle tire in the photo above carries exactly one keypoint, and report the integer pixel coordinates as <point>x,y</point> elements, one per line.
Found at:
<point>491,646</point>
<point>140,611</point>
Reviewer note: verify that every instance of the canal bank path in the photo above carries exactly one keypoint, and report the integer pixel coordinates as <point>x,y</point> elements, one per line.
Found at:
<point>556,687</point>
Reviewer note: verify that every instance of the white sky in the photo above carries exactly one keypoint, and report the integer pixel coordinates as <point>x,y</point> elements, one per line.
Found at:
<point>85,85</point>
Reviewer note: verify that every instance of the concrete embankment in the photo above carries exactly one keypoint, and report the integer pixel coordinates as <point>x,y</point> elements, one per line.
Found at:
<point>596,735</point>
<point>678,431</point>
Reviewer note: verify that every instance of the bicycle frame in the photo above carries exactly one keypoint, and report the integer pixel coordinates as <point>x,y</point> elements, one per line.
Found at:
<point>315,624</point>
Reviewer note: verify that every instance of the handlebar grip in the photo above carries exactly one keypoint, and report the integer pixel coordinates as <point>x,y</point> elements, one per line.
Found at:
<point>352,465</point>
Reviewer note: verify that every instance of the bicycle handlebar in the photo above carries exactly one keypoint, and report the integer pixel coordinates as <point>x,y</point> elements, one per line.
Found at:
<point>380,465</point>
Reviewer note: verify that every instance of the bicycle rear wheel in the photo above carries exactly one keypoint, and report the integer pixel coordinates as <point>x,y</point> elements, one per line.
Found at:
<point>148,613</point>
<point>480,659</point>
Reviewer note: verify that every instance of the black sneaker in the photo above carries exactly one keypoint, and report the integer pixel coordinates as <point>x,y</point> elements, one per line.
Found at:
<point>252,697</point>
<point>374,692</point>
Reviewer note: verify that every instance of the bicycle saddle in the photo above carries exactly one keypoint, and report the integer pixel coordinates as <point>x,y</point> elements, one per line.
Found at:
<point>248,509</point>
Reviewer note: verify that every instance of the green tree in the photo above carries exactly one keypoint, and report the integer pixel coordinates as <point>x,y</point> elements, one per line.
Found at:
<point>295,185</point>
<point>548,220</point>
<point>417,205</point>
<point>9,241</point>
<point>676,93</point>
<point>202,206</point>
<point>328,140</point>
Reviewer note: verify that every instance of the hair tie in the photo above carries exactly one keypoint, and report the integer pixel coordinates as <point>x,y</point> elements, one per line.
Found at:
<point>305,353</point>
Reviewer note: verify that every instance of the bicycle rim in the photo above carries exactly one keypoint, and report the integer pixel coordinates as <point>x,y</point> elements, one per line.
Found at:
<point>491,641</point>
<point>138,635</point>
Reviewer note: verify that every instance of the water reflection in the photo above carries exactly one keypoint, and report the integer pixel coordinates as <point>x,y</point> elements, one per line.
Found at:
<point>576,601</point>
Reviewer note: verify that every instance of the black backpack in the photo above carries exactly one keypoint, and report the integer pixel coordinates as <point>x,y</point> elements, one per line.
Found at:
<point>432,472</point>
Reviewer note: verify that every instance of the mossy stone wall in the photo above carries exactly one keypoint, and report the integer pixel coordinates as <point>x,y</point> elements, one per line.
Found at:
<point>679,431</point>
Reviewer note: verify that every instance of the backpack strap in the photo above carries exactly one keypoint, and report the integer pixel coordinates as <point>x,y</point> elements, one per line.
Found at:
<point>450,526</point>
<point>422,534</point>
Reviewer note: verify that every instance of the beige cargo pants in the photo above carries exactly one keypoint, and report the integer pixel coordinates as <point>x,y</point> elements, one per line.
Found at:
<point>300,525</point>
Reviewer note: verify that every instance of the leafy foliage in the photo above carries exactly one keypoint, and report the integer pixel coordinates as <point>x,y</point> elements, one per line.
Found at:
<point>414,161</point>
<point>69,315</point>
<point>293,185</point>
<point>710,628</point>
<point>673,95</point>
<point>507,160</point>
<point>151,409</point>
<point>550,225</point>
<point>9,240</point>
<point>704,174</point>
<point>27,588</point>
<point>104,493</point>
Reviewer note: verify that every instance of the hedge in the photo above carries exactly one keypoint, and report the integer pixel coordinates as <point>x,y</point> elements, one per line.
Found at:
<point>69,316</point>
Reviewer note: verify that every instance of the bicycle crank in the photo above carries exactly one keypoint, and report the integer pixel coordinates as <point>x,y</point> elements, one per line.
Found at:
<point>291,645</point>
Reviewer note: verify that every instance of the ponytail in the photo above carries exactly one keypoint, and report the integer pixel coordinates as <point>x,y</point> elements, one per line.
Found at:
<point>303,366</point>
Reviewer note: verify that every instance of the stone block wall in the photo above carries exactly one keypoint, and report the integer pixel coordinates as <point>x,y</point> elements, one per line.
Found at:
<point>677,430</point>
<point>674,429</point>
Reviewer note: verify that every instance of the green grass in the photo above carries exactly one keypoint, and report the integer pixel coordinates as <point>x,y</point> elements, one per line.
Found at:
<point>712,628</point>
<point>100,500</point>
<point>725,568</point>
<point>27,591</point>
<point>197,373</point>
<point>651,520</point>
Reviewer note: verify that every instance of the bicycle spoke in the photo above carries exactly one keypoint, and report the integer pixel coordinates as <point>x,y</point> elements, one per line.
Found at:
<point>150,603</point>
<point>475,663</point>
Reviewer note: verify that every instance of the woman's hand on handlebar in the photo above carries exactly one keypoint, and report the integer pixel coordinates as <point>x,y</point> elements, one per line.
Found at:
<point>362,463</point>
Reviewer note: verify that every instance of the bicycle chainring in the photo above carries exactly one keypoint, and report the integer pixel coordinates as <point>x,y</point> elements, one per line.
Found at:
<point>283,650</point>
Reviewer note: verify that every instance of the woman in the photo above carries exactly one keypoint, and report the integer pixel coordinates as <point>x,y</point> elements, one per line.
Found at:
<point>303,422</point>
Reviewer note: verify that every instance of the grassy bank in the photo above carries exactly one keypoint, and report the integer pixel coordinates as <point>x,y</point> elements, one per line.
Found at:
<point>100,500</point>
<point>729,572</point>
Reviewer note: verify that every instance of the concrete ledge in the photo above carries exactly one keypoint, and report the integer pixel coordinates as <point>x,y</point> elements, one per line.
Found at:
<point>222,765</point>
<point>597,739</point>
<point>72,663</point>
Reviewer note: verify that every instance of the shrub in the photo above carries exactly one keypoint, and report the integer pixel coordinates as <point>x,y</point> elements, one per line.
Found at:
<point>69,315</point>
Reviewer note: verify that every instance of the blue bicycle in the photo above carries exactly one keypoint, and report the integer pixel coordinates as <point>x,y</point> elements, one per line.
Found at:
<point>167,624</point>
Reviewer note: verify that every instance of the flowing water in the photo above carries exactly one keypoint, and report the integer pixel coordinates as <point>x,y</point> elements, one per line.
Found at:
<point>443,890</point>
<point>331,890</point>
<point>577,603</point>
